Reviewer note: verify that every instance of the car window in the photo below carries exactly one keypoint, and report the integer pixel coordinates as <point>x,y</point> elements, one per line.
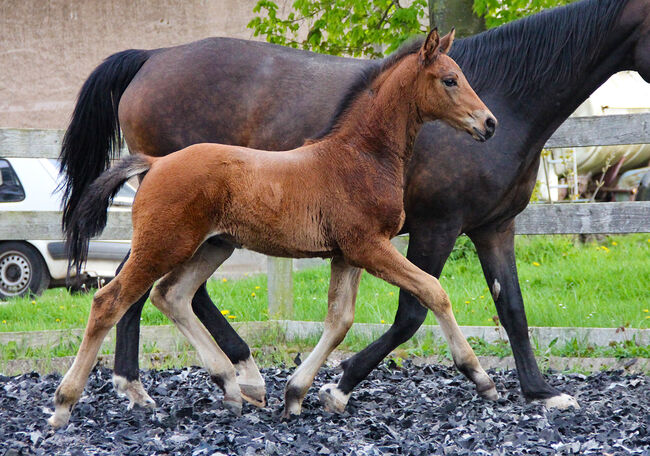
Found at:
<point>11,189</point>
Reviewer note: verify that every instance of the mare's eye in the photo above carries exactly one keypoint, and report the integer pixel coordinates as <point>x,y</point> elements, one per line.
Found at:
<point>450,82</point>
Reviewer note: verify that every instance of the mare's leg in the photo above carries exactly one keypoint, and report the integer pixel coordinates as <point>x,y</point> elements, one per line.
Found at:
<point>126,373</point>
<point>428,249</point>
<point>384,261</point>
<point>344,283</point>
<point>173,296</point>
<point>108,306</point>
<point>496,251</point>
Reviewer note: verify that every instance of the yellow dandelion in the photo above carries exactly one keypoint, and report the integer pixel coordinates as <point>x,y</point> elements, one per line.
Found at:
<point>33,302</point>
<point>224,280</point>
<point>647,317</point>
<point>646,310</point>
<point>383,321</point>
<point>535,263</point>
<point>605,248</point>
<point>58,320</point>
<point>257,287</point>
<point>225,312</point>
<point>466,302</point>
<point>614,243</point>
<point>253,294</point>
<point>390,293</point>
<point>481,296</point>
<point>61,307</point>
<point>232,317</point>
<point>4,322</point>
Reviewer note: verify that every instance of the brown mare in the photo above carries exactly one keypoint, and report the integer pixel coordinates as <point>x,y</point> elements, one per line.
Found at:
<point>339,197</point>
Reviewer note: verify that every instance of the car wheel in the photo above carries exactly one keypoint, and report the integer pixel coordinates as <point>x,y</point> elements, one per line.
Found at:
<point>22,270</point>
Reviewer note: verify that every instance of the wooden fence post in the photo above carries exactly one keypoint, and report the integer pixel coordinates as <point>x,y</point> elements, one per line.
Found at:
<point>280,285</point>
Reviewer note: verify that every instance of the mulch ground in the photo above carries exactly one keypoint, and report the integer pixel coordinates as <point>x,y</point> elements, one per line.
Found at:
<point>410,410</point>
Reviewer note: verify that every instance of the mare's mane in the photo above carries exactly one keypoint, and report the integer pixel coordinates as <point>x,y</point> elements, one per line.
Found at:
<point>553,47</point>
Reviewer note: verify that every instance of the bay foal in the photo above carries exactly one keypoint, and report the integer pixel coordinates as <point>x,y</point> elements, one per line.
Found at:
<point>340,197</point>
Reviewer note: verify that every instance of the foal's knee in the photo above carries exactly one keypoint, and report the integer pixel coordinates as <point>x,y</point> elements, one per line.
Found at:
<point>435,297</point>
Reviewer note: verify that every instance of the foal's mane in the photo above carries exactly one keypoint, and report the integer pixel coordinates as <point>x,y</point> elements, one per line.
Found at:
<point>364,81</point>
<point>553,47</point>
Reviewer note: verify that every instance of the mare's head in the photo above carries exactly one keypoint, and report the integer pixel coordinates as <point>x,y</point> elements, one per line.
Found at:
<point>637,14</point>
<point>442,91</point>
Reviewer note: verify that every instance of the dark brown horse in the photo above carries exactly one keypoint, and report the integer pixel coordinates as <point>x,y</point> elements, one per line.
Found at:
<point>531,73</point>
<point>340,197</point>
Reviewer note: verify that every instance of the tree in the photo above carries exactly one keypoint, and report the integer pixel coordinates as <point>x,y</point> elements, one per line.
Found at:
<point>446,14</point>
<point>370,28</point>
<point>498,12</point>
<point>374,28</point>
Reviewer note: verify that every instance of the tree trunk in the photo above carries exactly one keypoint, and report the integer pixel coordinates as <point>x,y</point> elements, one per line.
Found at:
<point>446,14</point>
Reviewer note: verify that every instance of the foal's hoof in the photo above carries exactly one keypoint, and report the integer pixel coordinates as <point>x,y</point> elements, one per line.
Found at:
<point>233,406</point>
<point>254,394</point>
<point>561,402</point>
<point>59,418</point>
<point>332,398</point>
<point>491,394</point>
<point>133,391</point>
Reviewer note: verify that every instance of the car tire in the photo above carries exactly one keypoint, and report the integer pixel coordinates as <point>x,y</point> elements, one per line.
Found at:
<point>22,270</point>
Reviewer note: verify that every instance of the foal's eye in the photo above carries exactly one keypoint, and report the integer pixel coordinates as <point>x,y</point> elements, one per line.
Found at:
<point>450,82</point>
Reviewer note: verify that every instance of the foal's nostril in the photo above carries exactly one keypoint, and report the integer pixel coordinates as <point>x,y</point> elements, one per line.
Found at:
<point>490,126</point>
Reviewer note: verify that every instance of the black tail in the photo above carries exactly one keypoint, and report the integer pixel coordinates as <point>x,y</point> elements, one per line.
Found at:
<point>93,137</point>
<point>89,216</point>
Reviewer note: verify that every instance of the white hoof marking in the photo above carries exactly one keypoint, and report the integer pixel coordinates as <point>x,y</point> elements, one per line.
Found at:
<point>332,398</point>
<point>133,391</point>
<point>561,402</point>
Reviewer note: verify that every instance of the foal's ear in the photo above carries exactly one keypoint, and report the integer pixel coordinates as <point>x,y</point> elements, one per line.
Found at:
<point>429,50</point>
<point>446,41</point>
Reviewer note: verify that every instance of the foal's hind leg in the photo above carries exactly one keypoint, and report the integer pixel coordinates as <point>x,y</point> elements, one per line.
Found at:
<point>384,261</point>
<point>173,296</point>
<point>342,295</point>
<point>109,304</point>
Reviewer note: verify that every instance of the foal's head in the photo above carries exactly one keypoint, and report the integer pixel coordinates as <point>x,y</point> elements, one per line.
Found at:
<point>443,93</point>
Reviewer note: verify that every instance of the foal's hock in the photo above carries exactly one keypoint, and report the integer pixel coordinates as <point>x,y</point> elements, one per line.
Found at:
<point>339,197</point>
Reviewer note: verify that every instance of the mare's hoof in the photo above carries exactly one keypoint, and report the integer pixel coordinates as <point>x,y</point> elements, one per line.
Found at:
<point>134,392</point>
<point>59,418</point>
<point>254,394</point>
<point>561,402</point>
<point>332,398</point>
<point>491,394</point>
<point>291,409</point>
<point>233,406</point>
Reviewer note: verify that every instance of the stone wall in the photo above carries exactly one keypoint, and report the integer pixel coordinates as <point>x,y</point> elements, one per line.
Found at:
<point>49,47</point>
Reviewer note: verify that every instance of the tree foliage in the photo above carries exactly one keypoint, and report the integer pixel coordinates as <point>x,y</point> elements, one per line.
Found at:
<point>370,28</point>
<point>498,12</point>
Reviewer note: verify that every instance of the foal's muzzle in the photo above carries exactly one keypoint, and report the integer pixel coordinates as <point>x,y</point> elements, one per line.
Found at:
<point>482,131</point>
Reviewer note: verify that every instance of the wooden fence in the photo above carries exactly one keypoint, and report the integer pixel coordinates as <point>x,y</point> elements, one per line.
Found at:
<point>564,218</point>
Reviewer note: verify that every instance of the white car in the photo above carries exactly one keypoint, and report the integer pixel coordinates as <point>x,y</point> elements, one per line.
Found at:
<point>31,265</point>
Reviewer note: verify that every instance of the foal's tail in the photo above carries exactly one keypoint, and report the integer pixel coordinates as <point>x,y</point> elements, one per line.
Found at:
<point>89,216</point>
<point>93,136</point>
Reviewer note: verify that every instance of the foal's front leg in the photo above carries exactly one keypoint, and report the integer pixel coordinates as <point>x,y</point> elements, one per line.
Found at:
<point>344,284</point>
<point>383,260</point>
<point>173,296</point>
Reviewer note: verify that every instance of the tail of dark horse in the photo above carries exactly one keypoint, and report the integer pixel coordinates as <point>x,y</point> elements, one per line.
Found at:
<point>93,136</point>
<point>88,219</point>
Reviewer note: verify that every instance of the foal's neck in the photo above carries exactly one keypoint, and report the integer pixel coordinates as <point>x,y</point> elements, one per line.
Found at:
<point>385,120</point>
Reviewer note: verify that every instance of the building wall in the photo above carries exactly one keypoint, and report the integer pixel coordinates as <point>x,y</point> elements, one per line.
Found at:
<point>49,47</point>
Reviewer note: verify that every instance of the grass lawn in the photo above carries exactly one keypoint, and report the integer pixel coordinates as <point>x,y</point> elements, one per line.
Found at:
<point>564,283</point>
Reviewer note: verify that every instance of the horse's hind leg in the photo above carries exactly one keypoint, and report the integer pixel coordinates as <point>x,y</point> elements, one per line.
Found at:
<point>109,304</point>
<point>173,296</point>
<point>384,261</point>
<point>344,284</point>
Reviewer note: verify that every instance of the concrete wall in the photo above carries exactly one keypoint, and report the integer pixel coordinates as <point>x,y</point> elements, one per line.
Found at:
<point>49,47</point>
